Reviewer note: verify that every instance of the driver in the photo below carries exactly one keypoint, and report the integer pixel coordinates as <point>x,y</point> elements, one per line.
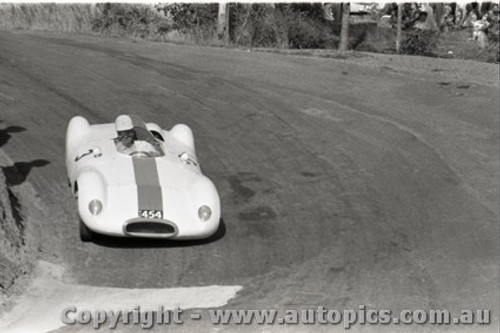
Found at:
<point>126,142</point>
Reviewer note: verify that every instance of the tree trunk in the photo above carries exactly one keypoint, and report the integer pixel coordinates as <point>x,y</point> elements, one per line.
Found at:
<point>241,29</point>
<point>223,22</point>
<point>281,27</point>
<point>344,32</point>
<point>398,33</point>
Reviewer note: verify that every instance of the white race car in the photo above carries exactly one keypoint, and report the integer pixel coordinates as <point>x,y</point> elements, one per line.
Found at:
<point>155,194</point>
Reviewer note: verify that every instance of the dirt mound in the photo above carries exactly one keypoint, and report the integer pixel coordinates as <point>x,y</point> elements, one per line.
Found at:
<point>14,261</point>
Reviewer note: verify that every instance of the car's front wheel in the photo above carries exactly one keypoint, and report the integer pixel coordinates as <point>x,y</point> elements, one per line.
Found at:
<point>85,232</point>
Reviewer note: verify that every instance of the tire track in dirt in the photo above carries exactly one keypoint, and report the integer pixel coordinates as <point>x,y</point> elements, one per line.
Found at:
<point>45,84</point>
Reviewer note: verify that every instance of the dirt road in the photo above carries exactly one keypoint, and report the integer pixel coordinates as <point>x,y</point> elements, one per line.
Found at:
<point>341,184</point>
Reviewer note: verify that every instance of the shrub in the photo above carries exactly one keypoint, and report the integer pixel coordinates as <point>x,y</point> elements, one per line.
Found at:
<point>138,20</point>
<point>283,26</point>
<point>198,21</point>
<point>419,42</point>
<point>307,33</point>
<point>459,44</point>
<point>263,29</point>
<point>46,16</point>
<point>379,40</point>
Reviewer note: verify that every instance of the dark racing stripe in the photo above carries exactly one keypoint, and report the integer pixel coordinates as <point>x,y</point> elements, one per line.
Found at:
<point>148,184</point>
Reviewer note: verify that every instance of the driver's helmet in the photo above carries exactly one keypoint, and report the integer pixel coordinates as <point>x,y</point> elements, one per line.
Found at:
<point>123,123</point>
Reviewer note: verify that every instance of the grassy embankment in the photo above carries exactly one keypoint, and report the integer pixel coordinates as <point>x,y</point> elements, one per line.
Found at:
<point>15,261</point>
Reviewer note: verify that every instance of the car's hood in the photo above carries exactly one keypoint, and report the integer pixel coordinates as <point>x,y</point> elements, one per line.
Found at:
<point>151,186</point>
<point>118,169</point>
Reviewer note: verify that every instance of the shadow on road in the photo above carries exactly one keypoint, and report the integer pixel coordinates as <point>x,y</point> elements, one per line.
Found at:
<point>16,174</point>
<point>5,133</point>
<point>122,242</point>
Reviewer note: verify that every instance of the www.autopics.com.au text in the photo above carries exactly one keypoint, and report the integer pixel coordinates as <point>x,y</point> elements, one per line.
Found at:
<point>320,315</point>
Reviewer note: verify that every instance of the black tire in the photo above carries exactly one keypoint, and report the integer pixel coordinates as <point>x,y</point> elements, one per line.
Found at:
<point>85,232</point>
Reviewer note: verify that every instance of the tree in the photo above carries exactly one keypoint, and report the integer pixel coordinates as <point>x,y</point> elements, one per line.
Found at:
<point>344,32</point>
<point>398,33</point>
<point>223,22</point>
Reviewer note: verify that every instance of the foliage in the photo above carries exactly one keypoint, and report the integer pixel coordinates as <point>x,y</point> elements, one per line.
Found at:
<point>419,42</point>
<point>257,25</point>
<point>378,40</point>
<point>196,20</point>
<point>295,26</point>
<point>307,33</point>
<point>457,44</point>
<point>46,16</point>
<point>138,20</point>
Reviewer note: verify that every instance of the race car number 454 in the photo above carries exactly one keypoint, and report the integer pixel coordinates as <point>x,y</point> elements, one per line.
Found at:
<point>151,214</point>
